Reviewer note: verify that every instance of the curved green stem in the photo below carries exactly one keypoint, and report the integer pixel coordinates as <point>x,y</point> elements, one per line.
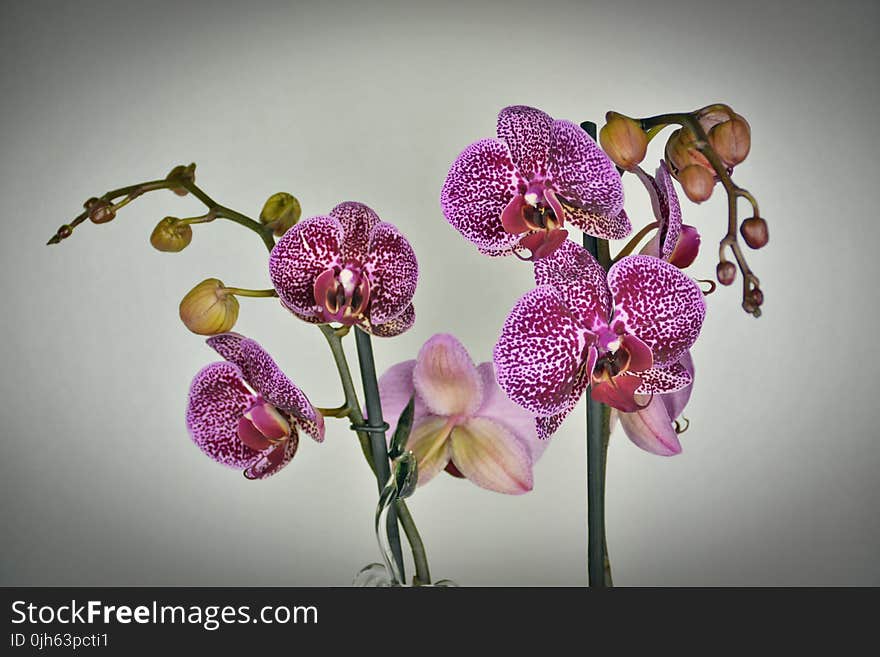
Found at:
<point>222,211</point>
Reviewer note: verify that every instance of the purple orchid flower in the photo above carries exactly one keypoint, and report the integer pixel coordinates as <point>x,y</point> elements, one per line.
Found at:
<point>347,267</point>
<point>653,427</point>
<point>463,422</point>
<point>517,191</point>
<point>244,412</point>
<point>622,333</point>
<point>674,242</point>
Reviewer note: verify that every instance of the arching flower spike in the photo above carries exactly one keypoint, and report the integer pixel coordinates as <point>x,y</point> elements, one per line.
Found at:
<point>244,413</point>
<point>349,268</point>
<point>463,422</point>
<point>516,192</point>
<point>623,334</point>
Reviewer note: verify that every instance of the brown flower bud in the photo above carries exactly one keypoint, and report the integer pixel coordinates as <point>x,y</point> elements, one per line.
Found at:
<point>182,172</point>
<point>732,140</point>
<point>726,273</point>
<point>754,232</point>
<point>697,182</point>
<point>681,151</point>
<point>171,236</point>
<point>65,231</point>
<point>623,140</point>
<point>99,210</point>
<point>281,211</point>
<point>208,309</point>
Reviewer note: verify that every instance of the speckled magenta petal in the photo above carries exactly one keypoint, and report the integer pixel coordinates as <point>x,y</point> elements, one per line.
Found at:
<point>687,249</point>
<point>479,185</point>
<point>400,324</point>
<point>446,378</point>
<point>265,377</point>
<point>608,227</point>
<point>526,131</point>
<point>670,208</point>
<point>273,459</point>
<point>540,351</point>
<point>547,426</point>
<point>664,379</point>
<point>491,456</point>
<point>218,399</point>
<point>497,407</point>
<point>658,304</point>
<point>393,270</point>
<point>651,428</point>
<point>357,222</point>
<point>300,256</point>
<point>676,401</point>
<point>577,275</point>
<point>581,172</point>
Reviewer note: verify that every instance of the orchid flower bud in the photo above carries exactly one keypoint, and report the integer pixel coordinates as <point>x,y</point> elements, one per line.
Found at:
<point>281,211</point>
<point>726,272</point>
<point>100,211</point>
<point>697,182</point>
<point>171,235</point>
<point>182,172</point>
<point>754,232</point>
<point>209,309</point>
<point>681,151</point>
<point>623,140</point>
<point>732,140</point>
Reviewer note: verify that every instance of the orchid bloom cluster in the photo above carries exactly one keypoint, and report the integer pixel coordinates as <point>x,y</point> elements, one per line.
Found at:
<point>621,328</point>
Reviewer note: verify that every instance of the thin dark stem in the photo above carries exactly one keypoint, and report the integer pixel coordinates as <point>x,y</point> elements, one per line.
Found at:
<point>377,436</point>
<point>598,430</point>
<point>218,210</point>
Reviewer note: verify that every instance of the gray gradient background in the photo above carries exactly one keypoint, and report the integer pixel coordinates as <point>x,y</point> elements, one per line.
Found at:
<point>99,483</point>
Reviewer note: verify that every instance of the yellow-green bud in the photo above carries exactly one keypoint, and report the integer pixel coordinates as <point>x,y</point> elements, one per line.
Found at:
<point>623,139</point>
<point>280,211</point>
<point>171,236</point>
<point>209,309</point>
<point>182,172</point>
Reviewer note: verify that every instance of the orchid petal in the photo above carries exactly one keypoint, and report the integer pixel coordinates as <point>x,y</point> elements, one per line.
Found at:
<point>651,428</point>
<point>687,248</point>
<point>446,378</point>
<point>497,407</point>
<point>584,176</point>
<point>670,208</point>
<point>396,387</point>
<point>274,459</point>
<point>400,324</point>
<point>617,392</point>
<point>676,401</point>
<point>357,222</point>
<point>605,226</point>
<point>217,401</point>
<point>491,456</point>
<point>666,379</point>
<point>659,304</point>
<point>264,376</point>
<point>393,270</point>
<point>576,274</point>
<point>547,426</point>
<point>539,352</point>
<point>479,185</point>
<point>526,131</point>
<point>300,256</point>
<point>430,445</point>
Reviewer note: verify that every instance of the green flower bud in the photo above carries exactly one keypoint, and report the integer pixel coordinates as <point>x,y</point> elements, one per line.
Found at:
<point>171,236</point>
<point>208,309</point>
<point>623,140</point>
<point>280,211</point>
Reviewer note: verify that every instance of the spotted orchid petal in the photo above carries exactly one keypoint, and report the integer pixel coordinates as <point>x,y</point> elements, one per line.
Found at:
<point>650,428</point>
<point>264,376</point>
<point>677,400</point>
<point>304,252</point>
<point>218,399</point>
<point>539,353</point>
<point>547,426</point>
<point>584,176</point>
<point>610,227</point>
<point>687,248</point>
<point>357,222</point>
<point>491,456</point>
<point>659,304</point>
<point>498,408</point>
<point>578,276</point>
<point>526,131</point>
<point>429,444</point>
<point>400,324</point>
<point>661,380</point>
<point>271,461</point>
<point>479,186</point>
<point>446,378</point>
<point>670,210</point>
<point>393,270</point>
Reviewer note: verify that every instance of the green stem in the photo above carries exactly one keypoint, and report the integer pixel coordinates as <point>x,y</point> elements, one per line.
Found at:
<point>598,433</point>
<point>222,211</point>
<point>242,292</point>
